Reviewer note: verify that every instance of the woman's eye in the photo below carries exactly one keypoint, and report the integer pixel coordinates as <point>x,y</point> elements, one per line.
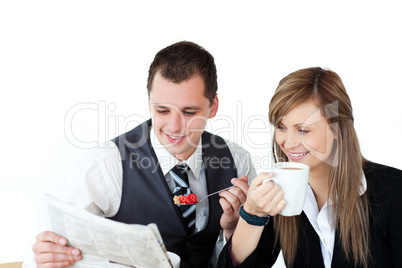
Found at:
<point>303,131</point>
<point>280,128</point>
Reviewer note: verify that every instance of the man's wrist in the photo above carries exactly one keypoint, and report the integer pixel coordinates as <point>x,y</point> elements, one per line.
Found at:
<point>226,235</point>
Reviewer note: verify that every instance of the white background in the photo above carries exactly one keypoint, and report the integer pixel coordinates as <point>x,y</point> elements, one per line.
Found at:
<point>59,57</point>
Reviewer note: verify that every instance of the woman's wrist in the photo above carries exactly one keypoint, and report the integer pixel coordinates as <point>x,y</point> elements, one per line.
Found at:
<point>253,219</point>
<point>244,240</point>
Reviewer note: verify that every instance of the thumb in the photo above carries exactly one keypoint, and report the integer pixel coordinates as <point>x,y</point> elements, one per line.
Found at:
<point>244,178</point>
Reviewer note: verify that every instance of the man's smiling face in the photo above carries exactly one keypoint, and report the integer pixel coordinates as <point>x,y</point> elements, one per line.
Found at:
<point>180,113</point>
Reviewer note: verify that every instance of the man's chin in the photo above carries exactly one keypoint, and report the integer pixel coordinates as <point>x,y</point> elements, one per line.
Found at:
<point>173,149</point>
<point>180,153</point>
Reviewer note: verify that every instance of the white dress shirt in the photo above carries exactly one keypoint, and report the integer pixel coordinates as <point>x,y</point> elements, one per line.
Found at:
<point>97,183</point>
<point>97,186</point>
<point>196,174</point>
<point>322,220</point>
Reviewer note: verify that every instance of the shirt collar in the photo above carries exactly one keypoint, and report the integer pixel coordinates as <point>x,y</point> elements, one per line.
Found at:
<point>363,186</point>
<point>167,161</point>
<point>311,204</point>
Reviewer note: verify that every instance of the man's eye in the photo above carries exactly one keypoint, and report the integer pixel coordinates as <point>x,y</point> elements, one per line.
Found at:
<point>189,113</point>
<point>162,111</point>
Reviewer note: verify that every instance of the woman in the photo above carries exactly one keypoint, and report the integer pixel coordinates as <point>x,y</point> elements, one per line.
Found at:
<point>352,216</point>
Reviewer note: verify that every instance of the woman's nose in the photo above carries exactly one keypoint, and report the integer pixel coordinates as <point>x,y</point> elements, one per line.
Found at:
<point>293,140</point>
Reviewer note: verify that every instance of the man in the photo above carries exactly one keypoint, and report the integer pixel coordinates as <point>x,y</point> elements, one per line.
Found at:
<point>134,179</point>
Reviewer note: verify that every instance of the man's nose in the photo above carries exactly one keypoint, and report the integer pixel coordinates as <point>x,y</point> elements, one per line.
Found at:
<point>176,122</point>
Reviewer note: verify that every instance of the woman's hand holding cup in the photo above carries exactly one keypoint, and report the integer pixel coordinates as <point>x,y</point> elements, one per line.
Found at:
<point>264,198</point>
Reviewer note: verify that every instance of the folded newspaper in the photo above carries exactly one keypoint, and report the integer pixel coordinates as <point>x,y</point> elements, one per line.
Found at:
<point>103,242</point>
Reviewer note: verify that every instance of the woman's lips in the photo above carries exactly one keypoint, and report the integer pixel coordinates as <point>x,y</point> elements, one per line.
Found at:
<point>297,156</point>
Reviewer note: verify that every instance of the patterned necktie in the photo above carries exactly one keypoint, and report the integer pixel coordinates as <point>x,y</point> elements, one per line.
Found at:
<point>179,175</point>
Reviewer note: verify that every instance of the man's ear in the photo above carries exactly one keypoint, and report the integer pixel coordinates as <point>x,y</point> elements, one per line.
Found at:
<point>214,107</point>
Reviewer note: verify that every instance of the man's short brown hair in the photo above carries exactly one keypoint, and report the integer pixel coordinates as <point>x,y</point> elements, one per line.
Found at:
<point>183,60</point>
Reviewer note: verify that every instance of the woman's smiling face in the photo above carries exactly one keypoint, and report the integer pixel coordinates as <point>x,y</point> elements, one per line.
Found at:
<point>304,135</point>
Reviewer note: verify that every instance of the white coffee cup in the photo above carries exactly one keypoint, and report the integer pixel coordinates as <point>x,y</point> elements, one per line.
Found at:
<point>175,259</point>
<point>293,180</point>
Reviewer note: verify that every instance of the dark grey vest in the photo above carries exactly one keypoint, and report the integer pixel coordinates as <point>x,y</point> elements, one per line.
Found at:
<point>146,197</point>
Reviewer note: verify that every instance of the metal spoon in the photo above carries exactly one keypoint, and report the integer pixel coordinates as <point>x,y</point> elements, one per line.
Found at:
<point>217,192</point>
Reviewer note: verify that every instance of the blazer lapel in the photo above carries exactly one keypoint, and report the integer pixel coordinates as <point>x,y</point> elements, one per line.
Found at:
<point>338,257</point>
<point>309,245</point>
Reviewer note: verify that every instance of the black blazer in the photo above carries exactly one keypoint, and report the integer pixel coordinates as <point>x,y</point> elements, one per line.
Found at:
<point>384,190</point>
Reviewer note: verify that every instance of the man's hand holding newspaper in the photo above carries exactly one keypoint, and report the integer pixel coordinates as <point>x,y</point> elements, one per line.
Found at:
<point>103,242</point>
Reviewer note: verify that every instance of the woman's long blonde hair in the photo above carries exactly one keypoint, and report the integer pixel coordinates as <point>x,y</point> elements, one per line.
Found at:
<point>326,89</point>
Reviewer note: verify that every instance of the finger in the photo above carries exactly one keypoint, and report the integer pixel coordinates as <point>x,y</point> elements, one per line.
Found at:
<point>48,241</point>
<point>261,177</point>
<point>239,194</point>
<point>278,196</point>
<point>244,178</point>
<point>54,264</point>
<point>264,199</point>
<point>226,206</point>
<point>50,247</point>
<point>229,217</point>
<point>241,186</point>
<point>270,190</point>
<point>275,203</point>
<point>231,199</point>
<point>281,205</point>
<point>56,259</point>
<point>262,192</point>
<point>48,236</point>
